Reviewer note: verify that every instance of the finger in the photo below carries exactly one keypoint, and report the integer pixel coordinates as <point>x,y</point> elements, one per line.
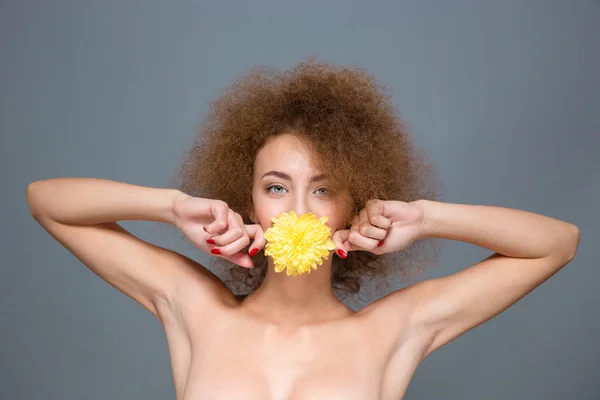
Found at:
<point>255,232</point>
<point>235,230</point>
<point>233,251</point>
<point>234,247</point>
<point>338,238</point>
<point>375,210</point>
<point>357,241</point>
<point>367,230</point>
<point>240,258</point>
<point>363,218</point>
<point>219,211</point>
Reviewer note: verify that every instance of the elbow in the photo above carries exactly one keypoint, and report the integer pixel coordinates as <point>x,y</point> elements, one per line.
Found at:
<point>30,189</point>
<point>572,242</point>
<point>31,198</point>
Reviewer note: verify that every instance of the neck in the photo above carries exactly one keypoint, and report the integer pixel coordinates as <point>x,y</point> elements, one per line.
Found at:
<point>297,300</point>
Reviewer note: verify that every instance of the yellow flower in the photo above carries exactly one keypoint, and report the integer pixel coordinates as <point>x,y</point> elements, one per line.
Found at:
<point>298,244</point>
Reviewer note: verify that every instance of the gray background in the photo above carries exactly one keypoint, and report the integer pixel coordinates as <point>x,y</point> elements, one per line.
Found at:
<point>505,96</point>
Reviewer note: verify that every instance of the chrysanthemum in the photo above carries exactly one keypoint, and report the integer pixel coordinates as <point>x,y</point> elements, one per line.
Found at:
<point>298,244</point>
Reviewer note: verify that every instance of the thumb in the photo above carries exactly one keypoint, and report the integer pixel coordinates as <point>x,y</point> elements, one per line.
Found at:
<point>339,238</point>
<point>240,258</point>
<point>255,232</point>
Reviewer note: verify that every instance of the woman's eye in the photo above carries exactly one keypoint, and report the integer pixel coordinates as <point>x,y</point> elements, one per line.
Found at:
<point>323,190</point>
<point>275,186</point>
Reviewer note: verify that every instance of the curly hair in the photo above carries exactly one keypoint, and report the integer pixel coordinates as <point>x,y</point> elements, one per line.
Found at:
<point>360,142</point>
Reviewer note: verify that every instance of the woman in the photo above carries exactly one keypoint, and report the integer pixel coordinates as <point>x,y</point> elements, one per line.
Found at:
<point>317,139</point>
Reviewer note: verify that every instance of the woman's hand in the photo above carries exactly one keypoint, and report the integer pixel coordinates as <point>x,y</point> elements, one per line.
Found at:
<point>213,227</point>
<point>381,227</point>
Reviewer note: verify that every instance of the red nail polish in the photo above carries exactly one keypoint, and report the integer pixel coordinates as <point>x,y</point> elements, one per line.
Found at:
<point>253,252</point>
<point>342,253</point>
<point>215,251</point>
<point>210,241</point>
<point>380,243</point>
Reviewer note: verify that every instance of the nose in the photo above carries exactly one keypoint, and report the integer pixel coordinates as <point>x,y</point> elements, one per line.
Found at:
<point>300,205</point>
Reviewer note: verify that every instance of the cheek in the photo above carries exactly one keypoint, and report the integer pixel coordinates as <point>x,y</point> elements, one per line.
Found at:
<point>264,219</point>
<point>335,221</point>
<point>335,225</point>
<point>266,224</point>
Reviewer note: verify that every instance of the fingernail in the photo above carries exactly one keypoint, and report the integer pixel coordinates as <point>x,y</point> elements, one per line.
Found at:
<point>210,241</point>
<point>215,251</point>
<point>380,243</point>
<point>253,252</point>
<point>342,253</point>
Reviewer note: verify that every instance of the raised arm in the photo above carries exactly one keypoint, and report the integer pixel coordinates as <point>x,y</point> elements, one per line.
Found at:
<point>528,249</point>
<point>81,214</point>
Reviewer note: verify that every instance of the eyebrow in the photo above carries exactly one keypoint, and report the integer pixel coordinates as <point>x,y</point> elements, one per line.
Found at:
<point>283,175</point>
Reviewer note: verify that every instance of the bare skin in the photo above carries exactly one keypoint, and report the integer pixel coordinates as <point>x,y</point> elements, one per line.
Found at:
<point>231,352</point>
<point>292,339</point>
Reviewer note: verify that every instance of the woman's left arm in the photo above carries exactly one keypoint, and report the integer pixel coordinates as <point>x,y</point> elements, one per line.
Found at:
<point>528,249</point>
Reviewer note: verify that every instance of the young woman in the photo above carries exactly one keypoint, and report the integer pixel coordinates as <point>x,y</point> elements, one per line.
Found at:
<point>318,139</point>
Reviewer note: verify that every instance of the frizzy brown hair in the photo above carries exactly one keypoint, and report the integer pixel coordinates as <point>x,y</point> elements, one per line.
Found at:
<point>349,122</point>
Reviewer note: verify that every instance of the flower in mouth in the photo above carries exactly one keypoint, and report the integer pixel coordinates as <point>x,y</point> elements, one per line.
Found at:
<point>298,244</point>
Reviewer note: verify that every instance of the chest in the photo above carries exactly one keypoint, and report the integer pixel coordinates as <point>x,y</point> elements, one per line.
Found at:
<point>250,361</point>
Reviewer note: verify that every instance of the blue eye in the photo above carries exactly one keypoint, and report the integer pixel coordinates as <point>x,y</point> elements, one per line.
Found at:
<point>274,186</point>
<point>268,189</point>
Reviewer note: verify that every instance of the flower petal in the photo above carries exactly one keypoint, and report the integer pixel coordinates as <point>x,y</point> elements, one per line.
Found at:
<point>298,244</point>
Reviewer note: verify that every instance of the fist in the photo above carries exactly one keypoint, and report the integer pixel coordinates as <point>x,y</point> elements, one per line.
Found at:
<point>381,227</point>
<point>216,229</point>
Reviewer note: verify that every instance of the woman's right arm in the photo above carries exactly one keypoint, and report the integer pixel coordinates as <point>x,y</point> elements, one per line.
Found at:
<point>81,214</point>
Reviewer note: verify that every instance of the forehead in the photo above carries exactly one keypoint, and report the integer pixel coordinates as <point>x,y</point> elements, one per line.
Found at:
<point>284,152</point>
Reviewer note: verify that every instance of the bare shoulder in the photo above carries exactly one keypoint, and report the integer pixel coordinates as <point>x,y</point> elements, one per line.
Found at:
<point>399,304</point>
<point>396,316</point>
<point>198,292</point>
